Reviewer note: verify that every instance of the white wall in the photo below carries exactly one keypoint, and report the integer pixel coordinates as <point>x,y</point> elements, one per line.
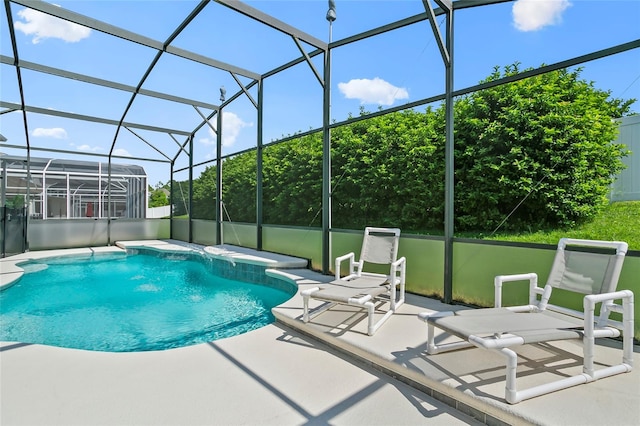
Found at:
<point>627,185</point>
<point>158,212</point>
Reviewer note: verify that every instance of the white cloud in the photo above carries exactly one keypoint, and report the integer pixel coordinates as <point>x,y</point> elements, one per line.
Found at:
<point>43,26</point>
<point>55,132</point>
<point>376,91</point>
<point>231,127</point>
<point>532,15</point>
<point>88,148</point>
<point>207,141</point>
<point>121,152</point>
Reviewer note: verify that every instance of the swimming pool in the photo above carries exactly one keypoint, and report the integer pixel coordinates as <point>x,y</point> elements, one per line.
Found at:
<point>141,301</point>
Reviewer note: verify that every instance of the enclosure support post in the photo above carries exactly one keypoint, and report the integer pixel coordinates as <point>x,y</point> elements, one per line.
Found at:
<point>27,216</point>
<point>3,207</point>
<point>109,200</point>
<point>326,149</point>
<point>446,50</point>
<point>259,153</point>
<point>449,166</point>
<point>326,171</point>
<point>219,206</point>
<point>171,201</point>
<point>191,188</point>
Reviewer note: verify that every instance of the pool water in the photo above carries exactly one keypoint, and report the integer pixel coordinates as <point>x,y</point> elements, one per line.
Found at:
<point>125,303</point>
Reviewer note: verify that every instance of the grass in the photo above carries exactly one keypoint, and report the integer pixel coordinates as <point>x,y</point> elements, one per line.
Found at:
<point>619,221</point>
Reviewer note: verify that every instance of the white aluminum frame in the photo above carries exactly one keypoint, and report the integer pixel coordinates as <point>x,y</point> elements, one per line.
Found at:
<point>593,328</point>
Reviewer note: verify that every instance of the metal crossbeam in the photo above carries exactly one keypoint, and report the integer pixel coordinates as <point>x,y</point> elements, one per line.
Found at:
<point>245,90</point>
<point>273,22</point>
<point>95,24</point>
<point>32,66</point>
<point>308,59</point>
<point>46,111</point>
<point>446,57</point>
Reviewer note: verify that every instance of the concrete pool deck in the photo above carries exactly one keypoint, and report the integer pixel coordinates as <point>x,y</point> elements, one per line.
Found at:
<point>270,376</point>
<point>296,373</point>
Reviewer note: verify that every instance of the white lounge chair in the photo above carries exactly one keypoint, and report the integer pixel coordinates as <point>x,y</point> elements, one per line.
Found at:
<point>364,289</point>
<point>593,273</point>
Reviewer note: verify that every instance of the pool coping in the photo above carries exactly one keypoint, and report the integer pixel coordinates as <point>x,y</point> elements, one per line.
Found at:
<point>11,271</point>
<point>253,257</point>
<point>226,252</point>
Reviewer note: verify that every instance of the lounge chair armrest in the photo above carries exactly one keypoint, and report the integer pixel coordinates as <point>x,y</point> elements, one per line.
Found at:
<point>398,271</point>
<point>399,261</point>
<point>604,323</point>
<point>308,292</point>
<point>592,299</point>
<point>607,300</point>
<point>500,279</point>
<point>344,257</point>
<point>351,257</point>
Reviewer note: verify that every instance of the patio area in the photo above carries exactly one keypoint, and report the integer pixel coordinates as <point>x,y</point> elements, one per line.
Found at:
<point>473,380</point>
<point>325,372</point>
<point>271,376</point>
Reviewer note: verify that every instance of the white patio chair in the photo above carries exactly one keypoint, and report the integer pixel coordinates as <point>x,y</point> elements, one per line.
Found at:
<point>365,289</point>
<point>593,273</point>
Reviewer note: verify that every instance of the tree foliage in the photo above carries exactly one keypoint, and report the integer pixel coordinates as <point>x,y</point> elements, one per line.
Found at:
<point>158,197</point>
<point>537,151</point>
<point>204,194</point>
<point>180,198</point>
<point>239,187</point>
<point>534,153</point>
<point>388,170</point>
<point>292,182</point>
<point>16,202</point>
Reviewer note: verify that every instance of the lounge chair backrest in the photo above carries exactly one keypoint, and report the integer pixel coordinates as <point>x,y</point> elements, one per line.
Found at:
<point>587,272</point>
<point>380,245</point>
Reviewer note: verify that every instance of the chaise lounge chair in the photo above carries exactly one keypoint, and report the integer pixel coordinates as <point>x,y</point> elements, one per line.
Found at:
<point>593,273</point>
<point>363,289</point>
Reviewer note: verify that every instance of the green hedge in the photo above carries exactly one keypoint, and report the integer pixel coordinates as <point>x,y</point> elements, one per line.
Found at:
<point>534,154</point>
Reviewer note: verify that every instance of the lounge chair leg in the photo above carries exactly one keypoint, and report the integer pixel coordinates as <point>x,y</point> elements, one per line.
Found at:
<point>305,311</point>
<point>306,295</point>
<point>510,390</point>
<point>370,310</point>
<point>432,349</point>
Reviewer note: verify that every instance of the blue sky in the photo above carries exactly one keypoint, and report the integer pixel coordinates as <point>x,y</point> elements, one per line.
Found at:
<point>387,70</point>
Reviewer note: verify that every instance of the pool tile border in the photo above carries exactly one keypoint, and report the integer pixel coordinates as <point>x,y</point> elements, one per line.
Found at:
<point>228,261</point>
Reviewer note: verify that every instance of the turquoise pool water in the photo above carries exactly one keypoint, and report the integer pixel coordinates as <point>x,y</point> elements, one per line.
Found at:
<point>126,303</point>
